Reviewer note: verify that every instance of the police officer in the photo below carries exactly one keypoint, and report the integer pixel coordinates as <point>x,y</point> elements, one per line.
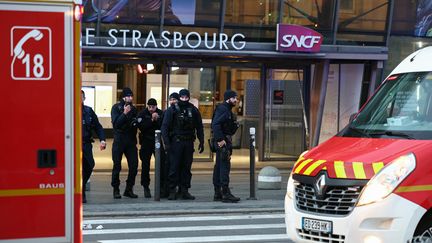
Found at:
<point>224,125</point>
<point>150,119</point>
<point>181,124</point>
<point>89,122</point>
<point>123,118</point>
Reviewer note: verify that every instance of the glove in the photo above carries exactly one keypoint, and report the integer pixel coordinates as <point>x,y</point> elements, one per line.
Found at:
<point>201,147</point>
<point>167,148</point>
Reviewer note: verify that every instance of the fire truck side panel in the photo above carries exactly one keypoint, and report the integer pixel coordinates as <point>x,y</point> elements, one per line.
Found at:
<point>37,151</point>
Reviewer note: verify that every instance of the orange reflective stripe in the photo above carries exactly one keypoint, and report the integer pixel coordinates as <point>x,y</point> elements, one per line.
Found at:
<point>303,164</point>
<point>32,192</point>
<point>313,166</point>
<point>339,169</point>
<point>359,171</point>
<point>416,188</point>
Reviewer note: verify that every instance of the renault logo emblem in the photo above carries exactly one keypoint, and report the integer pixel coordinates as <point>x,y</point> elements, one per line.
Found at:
<point>320,186</point>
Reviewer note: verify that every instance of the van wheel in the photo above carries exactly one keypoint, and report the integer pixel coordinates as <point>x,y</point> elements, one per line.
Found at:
<point>423,232</point>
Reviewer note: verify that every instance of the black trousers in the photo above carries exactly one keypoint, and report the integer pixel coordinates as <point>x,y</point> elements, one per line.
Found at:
<point>222,166</point>
<point>88,163</point>
<point>146,151</point>
<point>180,159</point>
<point>129,149</point>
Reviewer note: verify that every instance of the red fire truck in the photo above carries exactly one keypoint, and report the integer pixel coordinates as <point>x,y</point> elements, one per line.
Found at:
<point>40,144</point>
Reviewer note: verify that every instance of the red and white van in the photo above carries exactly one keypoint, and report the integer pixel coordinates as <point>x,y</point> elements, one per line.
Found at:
<point>372,182</point>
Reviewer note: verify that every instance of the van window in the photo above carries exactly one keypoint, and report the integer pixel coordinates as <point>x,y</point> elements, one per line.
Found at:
<point>402,108</point>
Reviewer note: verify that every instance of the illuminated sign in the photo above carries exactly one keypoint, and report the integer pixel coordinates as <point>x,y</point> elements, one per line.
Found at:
<point>292,38</point>
<point>176,40</point>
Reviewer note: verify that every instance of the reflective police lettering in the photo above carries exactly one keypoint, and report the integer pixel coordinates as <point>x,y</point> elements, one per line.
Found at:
<point>305,41</point>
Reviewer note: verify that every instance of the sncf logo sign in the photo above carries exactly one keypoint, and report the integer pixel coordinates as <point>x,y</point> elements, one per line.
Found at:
<point>297,38</point>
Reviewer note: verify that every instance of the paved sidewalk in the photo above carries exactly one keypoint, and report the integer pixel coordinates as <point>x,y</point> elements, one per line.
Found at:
<point>100,202</point>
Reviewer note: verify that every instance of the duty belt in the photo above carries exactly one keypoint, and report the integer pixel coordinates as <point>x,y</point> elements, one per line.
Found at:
<point>184,137</point>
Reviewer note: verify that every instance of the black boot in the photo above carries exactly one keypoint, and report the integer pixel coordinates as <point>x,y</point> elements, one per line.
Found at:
<point>84,199</point>
<point>129,192</point>
<point>227,197</point>
<point>172,194</point>
<point>163,192</point>
<point>217,194</point>
<point>185,195</point>
<point>116,193</point>
<point>147,193</point>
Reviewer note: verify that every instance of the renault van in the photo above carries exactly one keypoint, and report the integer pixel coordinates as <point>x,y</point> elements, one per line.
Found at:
<point>372,182</point>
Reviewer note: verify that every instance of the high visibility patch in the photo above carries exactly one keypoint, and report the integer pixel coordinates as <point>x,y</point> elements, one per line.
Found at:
<point>313,166</point>
<point>359,171</point>
<point>302,165</point>
<point>337,169</point>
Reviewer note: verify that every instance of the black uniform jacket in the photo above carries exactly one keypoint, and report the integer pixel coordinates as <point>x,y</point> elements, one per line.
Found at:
<point>148,127</point>
<point>90,122</point>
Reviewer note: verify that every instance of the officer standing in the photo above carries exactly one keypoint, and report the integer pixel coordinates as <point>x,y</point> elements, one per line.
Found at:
<point>181,125</point>
<point>224,126</point>
<point>150,119</point>
<point>89,122</point>
<point>123,118</point>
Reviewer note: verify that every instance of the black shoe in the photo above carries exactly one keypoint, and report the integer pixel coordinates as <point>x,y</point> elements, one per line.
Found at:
<point>129,193</point>
<point>164,194</point>
<point>172,196</point>
<point>116,193</point>
<point>230,198</point>
<point>147,193</point>
<point>185,195</point>
<point>227,197</point>
<point>217,194</point>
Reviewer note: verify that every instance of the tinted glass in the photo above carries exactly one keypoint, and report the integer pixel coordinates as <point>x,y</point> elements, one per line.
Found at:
<point>255,19</point>
<point>362,22</point>
<point>317,15</point>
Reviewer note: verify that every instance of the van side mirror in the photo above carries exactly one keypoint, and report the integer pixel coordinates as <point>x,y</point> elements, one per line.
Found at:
<point>352,117</point>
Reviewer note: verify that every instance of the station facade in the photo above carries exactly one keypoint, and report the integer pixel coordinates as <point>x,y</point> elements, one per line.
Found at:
<point>301,68</point>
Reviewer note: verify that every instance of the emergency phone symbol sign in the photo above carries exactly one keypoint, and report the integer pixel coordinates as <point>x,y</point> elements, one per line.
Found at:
<point>31,52</point>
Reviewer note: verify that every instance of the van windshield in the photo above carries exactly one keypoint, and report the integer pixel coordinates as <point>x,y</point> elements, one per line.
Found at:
<point>402,108</point>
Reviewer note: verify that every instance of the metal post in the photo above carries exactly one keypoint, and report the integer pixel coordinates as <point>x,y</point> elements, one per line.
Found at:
<point>157,165</point>
<point>252,163</point>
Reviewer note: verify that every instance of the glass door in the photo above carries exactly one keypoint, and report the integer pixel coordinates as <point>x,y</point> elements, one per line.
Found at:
<point>284,136</point>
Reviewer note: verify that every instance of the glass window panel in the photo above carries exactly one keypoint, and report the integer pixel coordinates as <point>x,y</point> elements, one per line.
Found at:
<point>255,19</point>
<point>193,12</point>
<point>404,17</point>
<point>123,11</point>
<point>423,25</point>
<point>362,22</point>
<point>314,14</point>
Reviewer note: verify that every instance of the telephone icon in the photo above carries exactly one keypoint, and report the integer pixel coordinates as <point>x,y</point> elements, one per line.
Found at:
<point>18,50</point>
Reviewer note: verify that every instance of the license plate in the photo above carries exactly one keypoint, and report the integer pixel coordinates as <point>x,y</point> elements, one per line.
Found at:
<point>317,225</point>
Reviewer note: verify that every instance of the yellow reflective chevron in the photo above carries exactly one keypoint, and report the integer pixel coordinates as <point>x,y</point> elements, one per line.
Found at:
<point>377,166</point>
<point>301,165</point>
<point>340,169</point>
<point>359,171</point>
<point>313,166</point>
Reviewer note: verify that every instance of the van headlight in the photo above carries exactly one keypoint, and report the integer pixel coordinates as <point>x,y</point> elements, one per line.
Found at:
<point>290,187</point>
<point>387,179</point>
